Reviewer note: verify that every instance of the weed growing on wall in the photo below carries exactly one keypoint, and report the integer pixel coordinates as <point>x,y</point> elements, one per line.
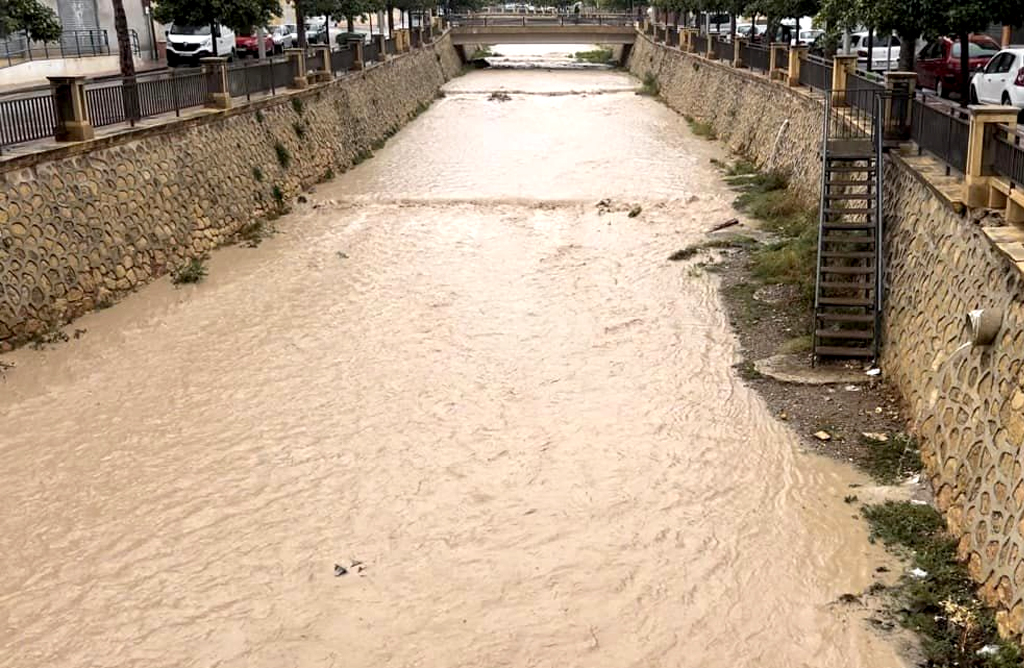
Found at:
<point>596,56</point>
<point>257,174</point>
<point>278,195</point>
<point>701,128</point>
<point>298,106</point>
<point>300,129</point>
<point>650,86</point>
<point>259,116</point>
<point>192,271</point>
<point>284,158</point>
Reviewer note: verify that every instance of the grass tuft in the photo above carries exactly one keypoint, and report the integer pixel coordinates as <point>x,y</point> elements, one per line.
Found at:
<point>284,157</point>
<point>257,174</point>
<point>300,129</point>
<point>298,105</point>
<point>650,86</point>
<point>192,271</point>
<point>595,56</point>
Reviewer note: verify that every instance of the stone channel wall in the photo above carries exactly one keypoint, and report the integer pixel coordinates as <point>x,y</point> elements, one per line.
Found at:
<point>966,404</point>
<point>83,224</point>
<point>777,127</point>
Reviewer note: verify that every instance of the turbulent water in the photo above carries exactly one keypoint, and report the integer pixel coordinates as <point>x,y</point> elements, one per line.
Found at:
<point>494,403</point>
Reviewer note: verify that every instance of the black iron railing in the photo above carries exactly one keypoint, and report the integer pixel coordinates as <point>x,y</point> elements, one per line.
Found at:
<point>940,129</point>
<point>342,60</point>
<point>390,47</point>
<point>281,73</point>
<point>864,88</point>
<point>28,115</point>
<point>315,61</point>
<point>370,54</point>
<point>113,100</point>
<point>757,57</point>
<point>18,48</point>
<point>1004,147</point>
<point>700,44</point>
<point>852,113</point>
<point>723,49</point>
<point>606,19</point>
<point>672,38</point>
<point>245,79</point>
<point>816,72</point>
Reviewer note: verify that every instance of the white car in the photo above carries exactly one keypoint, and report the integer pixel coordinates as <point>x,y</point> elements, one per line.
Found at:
<point>284,36</point>
<point>187,44</point>
<point>1002,80</point>
<point>885,51</point>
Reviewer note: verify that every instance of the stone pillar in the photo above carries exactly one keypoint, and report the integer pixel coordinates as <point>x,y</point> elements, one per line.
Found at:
<point>842,67</point>
<point>976,174</point>
<point>72,113</point>
<point>382,46</point>
<point>297,58</point>
<point>739,48</point>
<point>901,86</point>
<point>796,56</point>
<point>217,91</point>
<point>771,60</point>
<point>776,59</point>
<point>356,45</point>
<point>417,37</point>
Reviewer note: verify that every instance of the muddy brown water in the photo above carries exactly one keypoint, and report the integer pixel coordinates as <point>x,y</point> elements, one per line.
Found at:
<point>451,366</point>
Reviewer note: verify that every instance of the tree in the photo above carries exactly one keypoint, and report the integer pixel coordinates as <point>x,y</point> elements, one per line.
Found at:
<point>36,19</point>
<point>124,43</point>
<point>235,14</point>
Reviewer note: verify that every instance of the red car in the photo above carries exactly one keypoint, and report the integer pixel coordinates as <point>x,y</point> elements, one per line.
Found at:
<point>938,64</point>
<point>249,45</point>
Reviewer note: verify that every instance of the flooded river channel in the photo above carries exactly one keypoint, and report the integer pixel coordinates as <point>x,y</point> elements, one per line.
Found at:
<point>493,403</point>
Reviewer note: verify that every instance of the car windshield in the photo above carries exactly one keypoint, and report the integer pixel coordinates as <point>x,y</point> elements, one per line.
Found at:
<point>983,50</point>
<point>190,30</point>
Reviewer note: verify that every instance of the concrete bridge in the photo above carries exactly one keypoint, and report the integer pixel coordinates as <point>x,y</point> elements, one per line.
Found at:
<point>490,30</point>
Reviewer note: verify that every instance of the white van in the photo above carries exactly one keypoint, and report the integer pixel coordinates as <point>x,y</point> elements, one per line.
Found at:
<point>187,44</point>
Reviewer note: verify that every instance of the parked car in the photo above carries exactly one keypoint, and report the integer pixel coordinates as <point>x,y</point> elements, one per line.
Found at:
<point>808,36</point>
<point>285,36</point>
<point>938,63</point>
<point>317,31</point>
<point>249,45</point>
<point>885,50</point>
<point>1002,80</point>
<point>187,44</point>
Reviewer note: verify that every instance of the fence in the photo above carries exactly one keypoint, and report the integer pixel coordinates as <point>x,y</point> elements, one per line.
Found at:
<point>672,37</point>
<point>723,50</point>
<point>863,88</point>
<point>18,48</point>
<point>816,73</point>
<point>370,52</point>
<point>700,43</point>
<point>941,130</point>
<point>342,61</point>
<point>118,100</point>
<point>1007,154</point>
<point>757,57</point>
<point>390,48</point>
<point>29,115</point>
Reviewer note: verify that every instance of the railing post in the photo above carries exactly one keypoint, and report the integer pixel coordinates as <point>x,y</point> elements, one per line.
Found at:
<point>900,87</point>
<point>709,50</point>
<point>842,67</point>
<point>217,91</point>
<point>72,111</point>
<point>297,60</point>
<point>975,177</point>
<point>739,50</point>
<point>796,55</point>
<point>356,45</point>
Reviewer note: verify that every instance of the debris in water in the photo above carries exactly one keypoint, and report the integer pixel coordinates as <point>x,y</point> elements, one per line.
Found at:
<point>728,223</point>
<point>635,211</point>
<point>988,650</point>
<point>919,573</point>
<point>823,436</point>
<point>918,502</point>
<point>684,253</point>
<point>500,96</point>
<point>342,255</point>
<point>783,415</point>
<point>339,570</point>
<point>849,598</point>
<point>875,436</point>
<point>852,388</point>
<point>874,372</point>
<point>302,199</point>
<point>882,569</point>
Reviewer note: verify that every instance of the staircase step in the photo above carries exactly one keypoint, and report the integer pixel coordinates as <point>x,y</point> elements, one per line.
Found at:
<point>858,334</point>
<point>848,256</point>
<point>847,239</point>
<point>858,196</point>
<point>843,351</point>
<point>849,271</point>
<point>832,225</point>
<point>851,168</point>
<point>852,285</point>
<point>845,301</point>
<point>846,317</point>
<point>852,211</point>
<point>846,182</point>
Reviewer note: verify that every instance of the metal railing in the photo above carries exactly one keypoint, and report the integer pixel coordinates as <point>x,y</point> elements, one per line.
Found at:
<point>390,47</point>
<point>28,115</point>
<point>942,130</point>
<point>118,99</point>
<point>858,83</point>
<point>608,19</point>
<point>18,48</point>
<point>852,113</point>
<point>1004,147</point>
<point>342,60</point>
<point>723,50</point>
<point>757,57</point>
<point>700,44</point>
<point>370,53</point>
<point>672,37</point>
<point>816,72</point>
<point>246,79</point>
<point>315,60</point>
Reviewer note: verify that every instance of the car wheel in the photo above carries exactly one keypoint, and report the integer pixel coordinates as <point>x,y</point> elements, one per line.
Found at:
<point>974,95</point>
<point>940,89</point>
<point>1005,101</point>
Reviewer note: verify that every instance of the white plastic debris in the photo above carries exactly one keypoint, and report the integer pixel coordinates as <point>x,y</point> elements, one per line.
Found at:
<point>988,650</point>
<point>918,573</point>
<point>874,372</point>
<point>918,502</point>
<point>823,436</point>
<point>852,388</point>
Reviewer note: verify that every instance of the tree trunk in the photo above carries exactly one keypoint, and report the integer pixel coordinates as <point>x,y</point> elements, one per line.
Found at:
<point>965,69</point>
<point>871,49</point>
<point>124,41</point>
<point>907,55</point>
<point>390,9</point>
<point>300,24</point>
<point>350,24</point>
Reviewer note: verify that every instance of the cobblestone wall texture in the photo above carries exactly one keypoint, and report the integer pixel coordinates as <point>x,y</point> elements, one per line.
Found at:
<point>83,225</point>
<point>968,402</point>
<point>776,127</point>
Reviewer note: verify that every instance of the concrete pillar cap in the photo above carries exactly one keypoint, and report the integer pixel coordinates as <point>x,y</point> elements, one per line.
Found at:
<point>993,110</point>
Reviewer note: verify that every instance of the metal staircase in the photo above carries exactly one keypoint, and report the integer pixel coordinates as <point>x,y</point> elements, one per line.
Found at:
<point>847,299</point>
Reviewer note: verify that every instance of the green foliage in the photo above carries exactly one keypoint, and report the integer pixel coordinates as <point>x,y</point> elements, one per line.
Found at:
<point>650,87</point>
<point>192,271</point>
<point>284,157</point>
<point>257,174</point>
<point>259,116</point>
<point>297,105</point>
<point>300,129</point>
<point>31,16</point>
<point>597,56</point>
<point>236,14</point>
<point>701,128</point>
<point>278,195</point>
<point>890,461</point>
